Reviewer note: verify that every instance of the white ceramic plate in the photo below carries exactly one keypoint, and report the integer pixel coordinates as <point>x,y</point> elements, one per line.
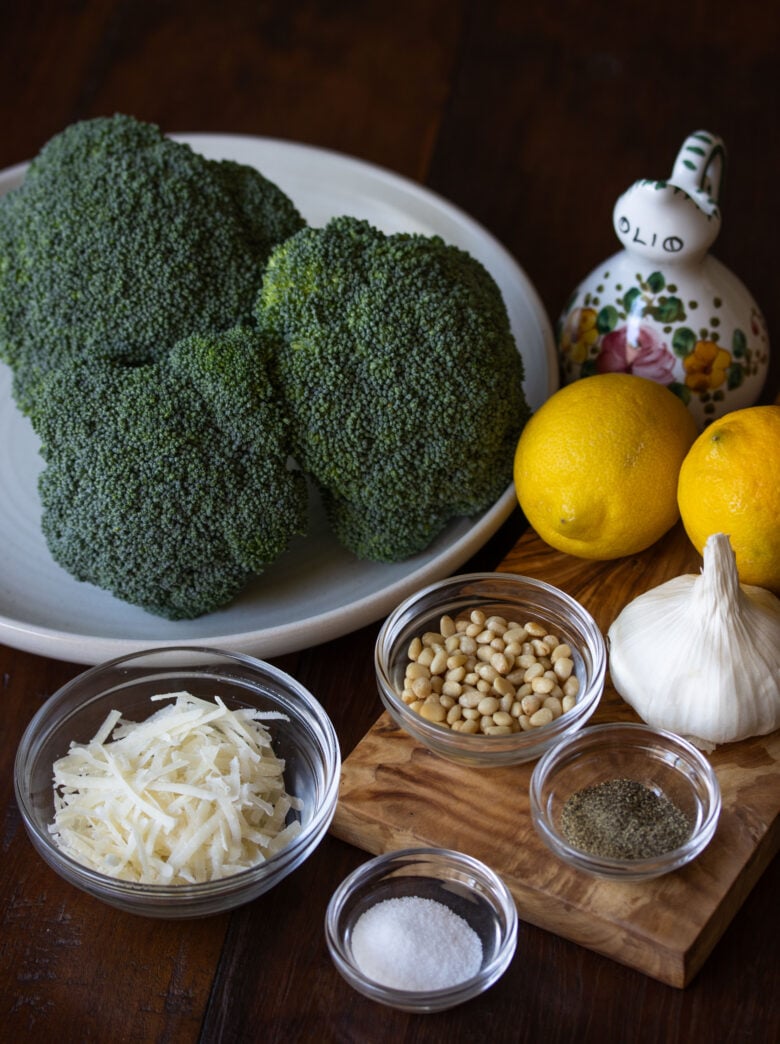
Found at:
<point>317,591</point>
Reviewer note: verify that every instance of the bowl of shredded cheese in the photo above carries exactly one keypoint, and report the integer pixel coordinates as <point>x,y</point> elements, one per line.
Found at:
<point>178,782</point>
<point>422,929</point>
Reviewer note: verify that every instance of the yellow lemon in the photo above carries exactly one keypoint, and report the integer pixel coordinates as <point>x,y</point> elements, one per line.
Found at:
<point>596,466</point>
<point>730,483</point>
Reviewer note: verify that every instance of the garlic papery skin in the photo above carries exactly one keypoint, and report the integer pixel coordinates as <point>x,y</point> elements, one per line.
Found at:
<point>700,654</point>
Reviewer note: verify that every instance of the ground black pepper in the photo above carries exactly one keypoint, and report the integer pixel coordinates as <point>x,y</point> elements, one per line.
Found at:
<point>623,819</point>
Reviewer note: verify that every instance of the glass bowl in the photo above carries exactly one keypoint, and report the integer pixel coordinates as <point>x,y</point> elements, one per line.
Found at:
<point>306,741</point>
<point>518,599</point>
<point>465,886</point>
<point>671,767</point>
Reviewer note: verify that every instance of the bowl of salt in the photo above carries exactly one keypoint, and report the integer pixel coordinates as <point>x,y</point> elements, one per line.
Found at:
<point>421,929</point>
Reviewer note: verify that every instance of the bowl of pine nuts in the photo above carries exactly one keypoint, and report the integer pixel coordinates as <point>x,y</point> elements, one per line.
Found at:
<point>490,668</point>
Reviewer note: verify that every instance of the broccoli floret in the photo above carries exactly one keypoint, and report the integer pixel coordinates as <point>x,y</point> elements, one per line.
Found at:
<point>401,378</point>
<point>168,483</point>
<point>121,242</point>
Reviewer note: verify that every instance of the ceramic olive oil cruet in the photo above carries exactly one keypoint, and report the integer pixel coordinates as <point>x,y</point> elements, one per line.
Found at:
<point>663,307</point>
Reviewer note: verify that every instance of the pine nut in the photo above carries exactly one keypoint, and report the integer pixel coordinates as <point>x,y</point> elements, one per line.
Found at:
<point>542,717</point>
<point>515,634</point>
<point>489,705</point>
<point>421,687</point>
<point>439,662</point>
<point>500,663</point>
<point>432,710</point>
<point>530,704</point>
<point>469,698</point>
<point>447,626</point>
<point>426,656</point>
<point>554,704</point>
<point>563,667</point>
<point>497,624</point>
<point>504,687</point>
<point>468,646</point>
<point>542,685</point>
<point>455,713</point>
<point>417,670</point>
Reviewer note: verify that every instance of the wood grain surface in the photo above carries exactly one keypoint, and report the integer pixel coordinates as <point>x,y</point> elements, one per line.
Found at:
<point>396,793</point>
<point>532,118</point>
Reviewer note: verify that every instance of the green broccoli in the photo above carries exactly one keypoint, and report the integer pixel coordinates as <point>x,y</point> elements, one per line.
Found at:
<point>121,242</point>
<point>401,378</point>
<point>168,483</point>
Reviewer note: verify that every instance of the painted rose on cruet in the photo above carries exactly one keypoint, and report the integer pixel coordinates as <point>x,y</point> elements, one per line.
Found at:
<point>663,307</point>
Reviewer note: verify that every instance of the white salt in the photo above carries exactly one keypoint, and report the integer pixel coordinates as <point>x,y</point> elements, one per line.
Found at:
<point>411,943</point>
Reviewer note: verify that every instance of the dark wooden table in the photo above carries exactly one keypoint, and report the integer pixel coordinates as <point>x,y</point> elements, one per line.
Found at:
<point>532,123</point>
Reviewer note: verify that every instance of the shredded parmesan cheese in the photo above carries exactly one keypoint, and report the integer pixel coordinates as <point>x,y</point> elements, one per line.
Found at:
<point>194,793</point>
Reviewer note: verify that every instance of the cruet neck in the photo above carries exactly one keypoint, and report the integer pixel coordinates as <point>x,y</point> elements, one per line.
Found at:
<point>675,219</point>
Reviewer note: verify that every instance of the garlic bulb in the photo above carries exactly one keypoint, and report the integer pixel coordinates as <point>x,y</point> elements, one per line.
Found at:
<point>700,655</point>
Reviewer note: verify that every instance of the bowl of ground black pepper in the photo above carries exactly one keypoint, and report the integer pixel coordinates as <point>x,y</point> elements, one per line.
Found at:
<point>625,801</point>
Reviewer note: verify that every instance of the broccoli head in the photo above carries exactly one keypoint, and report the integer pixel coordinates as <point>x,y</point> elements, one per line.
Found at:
<point>401,378</point>
<point>168,483</point>
<point>121,242</point>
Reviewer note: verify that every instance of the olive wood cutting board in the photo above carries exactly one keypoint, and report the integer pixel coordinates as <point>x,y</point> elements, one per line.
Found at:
<point>394,793</point>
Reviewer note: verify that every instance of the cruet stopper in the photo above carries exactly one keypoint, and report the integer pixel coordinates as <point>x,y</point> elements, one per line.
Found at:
<point>663,307</point>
